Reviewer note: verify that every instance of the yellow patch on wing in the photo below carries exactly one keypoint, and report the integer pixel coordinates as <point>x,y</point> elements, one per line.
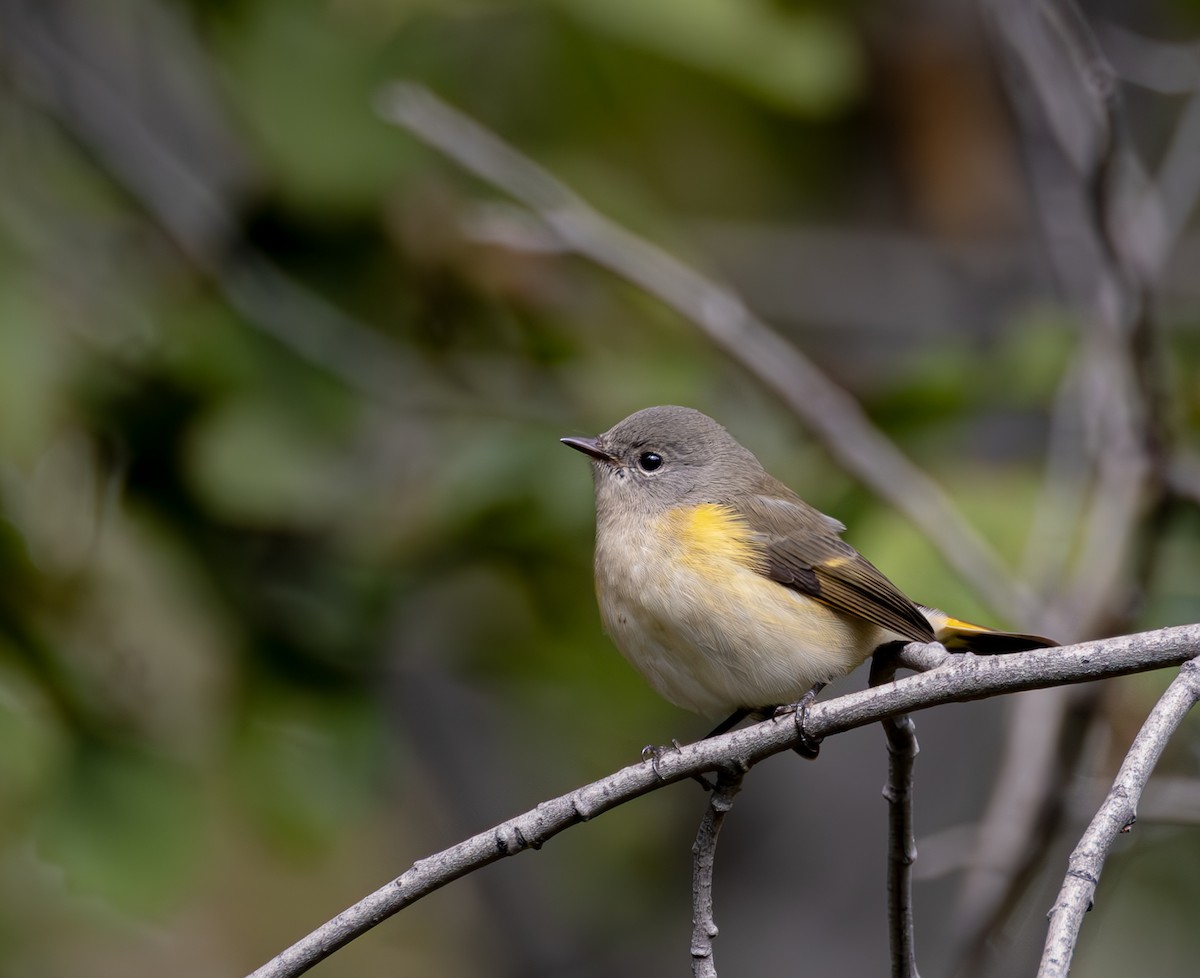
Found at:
<point>710,534</point>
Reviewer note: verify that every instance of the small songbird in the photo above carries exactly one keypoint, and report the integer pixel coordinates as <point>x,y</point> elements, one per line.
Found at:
<point>726,590</point>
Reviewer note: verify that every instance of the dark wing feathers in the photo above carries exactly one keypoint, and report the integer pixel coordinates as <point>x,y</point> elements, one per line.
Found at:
<point>803,551</point>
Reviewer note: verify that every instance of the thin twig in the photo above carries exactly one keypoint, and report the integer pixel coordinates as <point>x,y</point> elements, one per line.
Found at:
<point>828,411</point>
<point>901,735</point>
<point>1115,817</point>
<point>902,847</point>
<point>962,678</point>
<point>704,854</point>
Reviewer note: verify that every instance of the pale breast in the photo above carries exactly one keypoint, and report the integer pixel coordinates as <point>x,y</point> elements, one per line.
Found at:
<point>682,598</point>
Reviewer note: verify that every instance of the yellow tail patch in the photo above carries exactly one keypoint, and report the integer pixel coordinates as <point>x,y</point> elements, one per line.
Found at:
<point>963,626</point>
<point>959,635</point>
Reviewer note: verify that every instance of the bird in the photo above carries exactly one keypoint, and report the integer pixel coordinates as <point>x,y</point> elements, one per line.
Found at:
<point>727,591</point>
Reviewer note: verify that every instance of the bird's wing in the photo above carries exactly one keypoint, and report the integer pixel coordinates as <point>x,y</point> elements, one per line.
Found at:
<point>802,550</point>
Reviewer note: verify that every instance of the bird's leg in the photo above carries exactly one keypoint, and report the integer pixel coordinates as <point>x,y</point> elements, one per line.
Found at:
<point>808,747</point>
<point>731,721</point>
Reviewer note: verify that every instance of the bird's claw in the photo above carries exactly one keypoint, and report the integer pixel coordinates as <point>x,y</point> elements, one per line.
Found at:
<point>655,754</point>
<point>809,746</point>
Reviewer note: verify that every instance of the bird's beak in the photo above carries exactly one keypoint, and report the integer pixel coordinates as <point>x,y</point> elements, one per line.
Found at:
<point>589,446</point>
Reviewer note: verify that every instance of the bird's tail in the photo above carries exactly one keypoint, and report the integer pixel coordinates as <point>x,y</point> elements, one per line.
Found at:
<point>962,636</point>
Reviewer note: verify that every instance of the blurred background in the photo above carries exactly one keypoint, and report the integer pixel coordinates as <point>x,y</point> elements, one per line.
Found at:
<point>296,578</point>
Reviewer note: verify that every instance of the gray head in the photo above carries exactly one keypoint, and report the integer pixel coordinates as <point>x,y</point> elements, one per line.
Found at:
<point>662,457</point>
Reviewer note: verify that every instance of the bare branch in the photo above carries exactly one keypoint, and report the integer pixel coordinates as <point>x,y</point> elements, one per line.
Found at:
<point>902,848</point>
<point>922,658</point>
<point>829,412</point>
<point>704,854</point>
<point>1116,816</point>
<point>961,678</point>
<point>901,735</point>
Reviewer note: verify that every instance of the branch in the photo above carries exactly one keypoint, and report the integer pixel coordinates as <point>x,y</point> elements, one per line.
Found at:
<point>961,678</point>
<point>828,411</point>
<point>704,854</point>
<point>902,848</point>
<point>1115,817</point>
<point>901,736</point>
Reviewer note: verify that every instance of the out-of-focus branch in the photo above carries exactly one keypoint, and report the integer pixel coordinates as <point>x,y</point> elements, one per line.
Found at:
<point>829,412</point>
<point>1116,816</point>
<point>1090,182</point>
<point>156,125</point>
<point>961,678</point>
<point>704,854</point>
<point>1066,473</point>
<point>1165,205</point>
<point>1166,67</point>
<point>1104,225</point>
<point>901,734</point>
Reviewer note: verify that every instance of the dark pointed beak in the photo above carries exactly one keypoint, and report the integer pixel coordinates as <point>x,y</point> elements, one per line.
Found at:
<point>589,446</point>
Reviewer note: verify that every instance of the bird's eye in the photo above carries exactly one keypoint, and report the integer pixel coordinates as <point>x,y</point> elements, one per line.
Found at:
<point>649,461</point>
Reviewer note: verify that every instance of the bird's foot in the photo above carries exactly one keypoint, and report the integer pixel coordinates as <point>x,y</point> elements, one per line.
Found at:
<point>809,746</point>
<point>655,754</point>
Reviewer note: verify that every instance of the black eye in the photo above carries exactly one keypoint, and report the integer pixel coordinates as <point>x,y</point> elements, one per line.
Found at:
<point>649,461</point>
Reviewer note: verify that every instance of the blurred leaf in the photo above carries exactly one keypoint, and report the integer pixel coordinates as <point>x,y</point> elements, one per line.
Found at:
<point>128,827</point>
<point>805,62</point>
<point>303,77</point>
<point>34,748</point>
<point>308,764</point>
<point>253,461</point>
<point>33,372</point>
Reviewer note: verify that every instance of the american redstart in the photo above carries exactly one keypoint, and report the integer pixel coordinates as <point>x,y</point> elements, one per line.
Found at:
<point>726,590</point>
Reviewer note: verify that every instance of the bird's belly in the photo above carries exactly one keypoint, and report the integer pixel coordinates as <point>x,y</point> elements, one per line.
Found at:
<point>712,634</point>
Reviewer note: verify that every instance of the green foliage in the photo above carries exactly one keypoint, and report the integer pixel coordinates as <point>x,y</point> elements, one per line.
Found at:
<point>127,827</point>
<point>804,62</point>
<point>308,765</point>
<point>235,534</point>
